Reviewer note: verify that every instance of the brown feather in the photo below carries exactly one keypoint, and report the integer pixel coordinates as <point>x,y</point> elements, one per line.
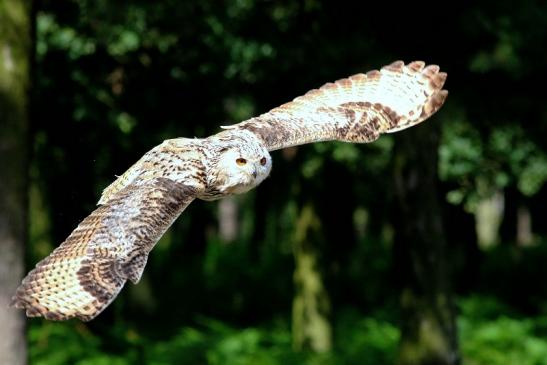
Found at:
<point>356,109</point>
<point>86,272</point>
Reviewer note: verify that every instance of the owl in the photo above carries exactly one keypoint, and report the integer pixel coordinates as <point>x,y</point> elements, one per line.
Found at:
<point>82,276</point>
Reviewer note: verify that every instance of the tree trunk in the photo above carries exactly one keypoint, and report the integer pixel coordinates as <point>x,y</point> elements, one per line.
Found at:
<point>311,305</point>
<point>488,217</point>
<point>15,51</point>
<point>525,237</point>
<point>428,331</point>
<point>228,219</point>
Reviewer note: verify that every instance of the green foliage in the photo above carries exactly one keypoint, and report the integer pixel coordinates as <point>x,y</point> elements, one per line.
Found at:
<point>489,337</point>
<point>56,343</point>
<point>113,79</point>
<point>54,36</point>
<point>490,334</point>
<point>220,344</point>
<point>480,166</point>
<point>366,339</point>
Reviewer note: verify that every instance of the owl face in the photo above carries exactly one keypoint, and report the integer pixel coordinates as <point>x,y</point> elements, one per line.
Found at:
<point>241,169</point>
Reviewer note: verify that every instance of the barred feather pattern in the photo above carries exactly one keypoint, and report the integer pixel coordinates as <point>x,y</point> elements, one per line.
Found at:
<point>357,109</point>
<point>84,274</point>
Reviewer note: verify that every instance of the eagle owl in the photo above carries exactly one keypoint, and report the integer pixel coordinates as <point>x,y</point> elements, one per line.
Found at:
<point>85,273</point>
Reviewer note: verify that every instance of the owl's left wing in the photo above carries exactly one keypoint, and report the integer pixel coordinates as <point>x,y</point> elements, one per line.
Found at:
<point>86,272</point>
<point>355,109</point>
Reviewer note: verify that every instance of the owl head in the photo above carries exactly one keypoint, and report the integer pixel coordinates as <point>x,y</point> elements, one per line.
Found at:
<point>242,163</point>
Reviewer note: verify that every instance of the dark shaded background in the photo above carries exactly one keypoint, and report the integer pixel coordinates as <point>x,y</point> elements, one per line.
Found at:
<point>112,80</point>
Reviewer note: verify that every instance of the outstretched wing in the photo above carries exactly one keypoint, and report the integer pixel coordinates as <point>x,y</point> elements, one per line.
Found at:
<point>86,272</point>
<point>356,109</point>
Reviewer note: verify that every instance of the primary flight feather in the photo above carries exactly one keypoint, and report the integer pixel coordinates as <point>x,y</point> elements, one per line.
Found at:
<point>85,273</point>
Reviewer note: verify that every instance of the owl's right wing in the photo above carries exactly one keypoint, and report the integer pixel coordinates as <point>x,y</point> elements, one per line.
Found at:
<point>86,272</point>
<point>356,109</point>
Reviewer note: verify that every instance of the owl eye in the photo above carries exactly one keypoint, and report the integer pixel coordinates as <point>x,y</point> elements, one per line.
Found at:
<point>263,161</point>
<point>241,161</point>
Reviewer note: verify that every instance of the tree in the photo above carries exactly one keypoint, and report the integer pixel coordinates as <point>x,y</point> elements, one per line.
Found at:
<point>15,51</point>
<point>428,331</point>
<point>311,304</point>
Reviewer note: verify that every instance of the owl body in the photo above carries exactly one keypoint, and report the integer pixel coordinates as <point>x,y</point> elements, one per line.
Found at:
<point>82,276</point>
<point>210,165</point>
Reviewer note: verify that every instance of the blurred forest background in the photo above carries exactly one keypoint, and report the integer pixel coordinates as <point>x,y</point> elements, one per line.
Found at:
<point>435,254</point>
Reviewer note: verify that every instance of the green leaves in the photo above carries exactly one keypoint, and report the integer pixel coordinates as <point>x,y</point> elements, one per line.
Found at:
<point>482,164</point>
<point>53,36</point>
<point>491,338</point>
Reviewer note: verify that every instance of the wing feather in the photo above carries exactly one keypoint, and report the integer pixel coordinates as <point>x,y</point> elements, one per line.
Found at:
<point>355,109</point>
<point>178,159</point>
<point>86,272</point>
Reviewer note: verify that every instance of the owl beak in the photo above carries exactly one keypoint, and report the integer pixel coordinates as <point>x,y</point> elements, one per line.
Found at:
<point>254,170</point>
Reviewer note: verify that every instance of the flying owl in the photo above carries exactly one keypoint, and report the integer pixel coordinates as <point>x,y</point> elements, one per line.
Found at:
<point>86,272</point>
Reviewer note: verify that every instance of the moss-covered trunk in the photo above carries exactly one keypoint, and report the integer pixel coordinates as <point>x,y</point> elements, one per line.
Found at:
<point>311,305</point>
<point>15,51</point>
<point>428,331</point>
